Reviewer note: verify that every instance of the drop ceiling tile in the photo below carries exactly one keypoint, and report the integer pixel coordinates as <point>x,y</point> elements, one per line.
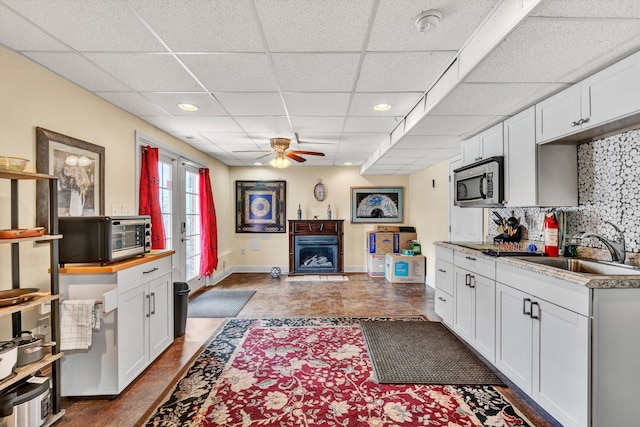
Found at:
<point>313,124</point>
<point>401,72</point>
<point>97,25</point>
<point>317,104</point>
<point>225,139</point>
<point>356,148</point>
<point>491,99</point>
<point>316,72</point>
<point>207,147</point>
<point>329,25</point>
<point>370,124</point>
<point>243,72</point>
<point>310,146</point>
<point>401,103</point>
<point>167,123</point>
<point>18,34</point>
<point>203,26</point>
<point>394,27</point>
<point>425,141</point>
<point>133,69</point>
<point>251,104</point>
<point>132,102</point>
<point>77,69</point>
<point>369,138</point>
<point>408,154</point>
<point>442,153</point>
<point>578,45</point>
<point>589,9</point>
<point>264,124</point>
<point>448,125</point>
<point>168,101</point>
<point>203,124</point>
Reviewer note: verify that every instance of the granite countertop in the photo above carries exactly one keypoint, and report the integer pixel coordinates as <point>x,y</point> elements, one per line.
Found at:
<point>594,281</point>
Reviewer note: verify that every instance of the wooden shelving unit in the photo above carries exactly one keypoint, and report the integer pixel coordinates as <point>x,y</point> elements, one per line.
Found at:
<point>15,311</point>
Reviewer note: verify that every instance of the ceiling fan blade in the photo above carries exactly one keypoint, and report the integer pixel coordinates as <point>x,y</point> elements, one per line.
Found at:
<point>295,157</point>
<point>310,153</point>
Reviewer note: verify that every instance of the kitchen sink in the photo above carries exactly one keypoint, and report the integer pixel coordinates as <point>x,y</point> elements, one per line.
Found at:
<point>587,266</point>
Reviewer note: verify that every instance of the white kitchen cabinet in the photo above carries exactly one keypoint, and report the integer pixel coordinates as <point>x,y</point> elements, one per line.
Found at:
<point>609,95</point>
<point>444,285</point>
<point>482,146</point>
<point>537,175</point>
<point>474,311</point>
<point>133,335</point>
<point>543,347</point>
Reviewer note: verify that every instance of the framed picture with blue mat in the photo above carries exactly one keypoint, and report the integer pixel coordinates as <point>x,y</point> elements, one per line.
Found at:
<point>261,206</point>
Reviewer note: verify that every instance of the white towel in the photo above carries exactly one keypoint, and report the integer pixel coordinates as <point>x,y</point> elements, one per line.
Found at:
<point>76,317</point>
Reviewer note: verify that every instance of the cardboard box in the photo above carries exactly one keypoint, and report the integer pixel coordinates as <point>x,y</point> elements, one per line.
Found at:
<point>388,228</point>
<point>403,241</point>
<point>379,243</point>
<point>375,265</point>
<point>404,269</point>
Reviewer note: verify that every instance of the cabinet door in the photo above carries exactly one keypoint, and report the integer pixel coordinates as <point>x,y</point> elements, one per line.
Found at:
<point>133,339</point>
<point>471,150</point>
<point>520,159</point>
<point>491,142</point>
<point>463,304</point>
<point>612,93</point>
<point>160,315</point>
<point>484,315</point>
<point>444,307</point>
<point>558,115</point>
<point>560,363</point>
<point>514,346</point>
<point>444,276</point>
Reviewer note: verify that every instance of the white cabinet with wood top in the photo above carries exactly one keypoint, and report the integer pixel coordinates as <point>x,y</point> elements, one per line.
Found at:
<point>133,333</point>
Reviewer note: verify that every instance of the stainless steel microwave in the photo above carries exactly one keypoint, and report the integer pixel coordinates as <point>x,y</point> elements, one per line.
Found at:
<point>103,239</point>
<point>480,184</point>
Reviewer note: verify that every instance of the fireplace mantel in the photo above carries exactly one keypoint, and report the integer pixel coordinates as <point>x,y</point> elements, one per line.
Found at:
<point>315,227</point>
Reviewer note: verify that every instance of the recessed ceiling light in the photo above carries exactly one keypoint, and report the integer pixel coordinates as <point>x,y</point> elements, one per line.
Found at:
<point>257,164</point>
<point>428,20</point>
<point>382,107</point>
<point>188,107</point>
<point>348,163</point>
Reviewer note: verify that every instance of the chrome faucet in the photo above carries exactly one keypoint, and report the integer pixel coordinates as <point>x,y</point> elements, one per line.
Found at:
<point>616,247</point>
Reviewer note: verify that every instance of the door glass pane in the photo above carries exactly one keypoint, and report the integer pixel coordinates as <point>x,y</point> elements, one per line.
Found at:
<point>165,176</point>
<point>192,224</point>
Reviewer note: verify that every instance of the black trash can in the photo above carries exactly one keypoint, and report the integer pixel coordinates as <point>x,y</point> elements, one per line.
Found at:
<point>180,304</point>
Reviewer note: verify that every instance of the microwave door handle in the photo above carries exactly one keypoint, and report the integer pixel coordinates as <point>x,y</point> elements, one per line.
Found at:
<point>483,186</point>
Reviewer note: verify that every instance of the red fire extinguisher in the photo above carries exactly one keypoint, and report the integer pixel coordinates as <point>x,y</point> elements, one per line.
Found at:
<point>551,235</point>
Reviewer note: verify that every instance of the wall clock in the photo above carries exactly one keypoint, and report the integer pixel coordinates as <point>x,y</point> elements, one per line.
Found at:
<point>319,191</point>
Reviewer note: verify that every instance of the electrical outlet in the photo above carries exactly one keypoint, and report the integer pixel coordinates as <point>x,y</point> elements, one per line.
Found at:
<point>114,209</point>
<point>44,328</point>
<point>242,251</point>
<point>126,210</point>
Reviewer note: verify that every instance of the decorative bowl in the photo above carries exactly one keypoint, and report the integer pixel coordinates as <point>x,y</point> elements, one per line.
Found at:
<point>16,164</point>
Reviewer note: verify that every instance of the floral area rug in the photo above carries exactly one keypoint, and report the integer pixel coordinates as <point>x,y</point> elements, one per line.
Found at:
<point>314,372</point>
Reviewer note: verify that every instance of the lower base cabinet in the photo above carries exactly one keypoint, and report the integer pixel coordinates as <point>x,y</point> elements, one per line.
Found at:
<point>543,348</point>
<point>131,336</point>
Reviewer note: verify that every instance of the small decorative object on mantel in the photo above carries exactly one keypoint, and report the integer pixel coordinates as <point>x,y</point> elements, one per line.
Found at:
<point>299,212</point>
<point>329,212</point>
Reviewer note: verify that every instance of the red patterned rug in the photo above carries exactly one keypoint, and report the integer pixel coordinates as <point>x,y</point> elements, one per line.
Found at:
<point>314,371</point>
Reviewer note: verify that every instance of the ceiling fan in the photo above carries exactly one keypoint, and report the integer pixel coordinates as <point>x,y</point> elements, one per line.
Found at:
<point>281,149</point>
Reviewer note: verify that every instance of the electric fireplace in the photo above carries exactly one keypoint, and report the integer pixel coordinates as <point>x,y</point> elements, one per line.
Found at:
<point>315,247</point>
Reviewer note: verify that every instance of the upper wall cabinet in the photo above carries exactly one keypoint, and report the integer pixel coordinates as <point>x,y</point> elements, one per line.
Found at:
<point>537,175</point>
<point>607,96</point>
<point>482,146</point>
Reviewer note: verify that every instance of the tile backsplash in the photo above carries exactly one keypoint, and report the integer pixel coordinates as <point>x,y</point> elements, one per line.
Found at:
<point>608,190</point>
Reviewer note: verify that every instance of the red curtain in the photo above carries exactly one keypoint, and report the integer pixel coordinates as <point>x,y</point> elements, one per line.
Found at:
<point>150,195</point>
<point>208,227</point>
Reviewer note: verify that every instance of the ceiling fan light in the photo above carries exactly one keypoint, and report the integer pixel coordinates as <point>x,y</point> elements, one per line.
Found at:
<point>279,162</point>
<point>428,20</point>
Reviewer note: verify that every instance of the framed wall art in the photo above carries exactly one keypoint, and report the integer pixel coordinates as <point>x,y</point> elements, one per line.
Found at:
<point>376,204</point>
<point>261,207</point>
<point>79,167</point>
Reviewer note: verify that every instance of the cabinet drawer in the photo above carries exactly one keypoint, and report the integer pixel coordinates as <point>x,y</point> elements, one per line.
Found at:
<point>444,307</point>
<point>476,264</point>
<point>143,273</point>
<point>444,276</point>
<point>444,254</point>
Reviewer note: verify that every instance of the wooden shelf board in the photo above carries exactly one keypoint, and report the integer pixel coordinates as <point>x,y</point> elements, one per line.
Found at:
<point>5,311</point>
<point>96,268</point>
<point>24,371</point>
<point>25,175</point>
<point>46,237</point>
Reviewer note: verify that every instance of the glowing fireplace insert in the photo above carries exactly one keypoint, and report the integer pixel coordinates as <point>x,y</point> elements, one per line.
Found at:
<point>315,247</point>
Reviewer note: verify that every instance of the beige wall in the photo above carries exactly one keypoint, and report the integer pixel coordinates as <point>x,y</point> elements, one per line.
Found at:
<point>428,210</point>
<point>31,96</point>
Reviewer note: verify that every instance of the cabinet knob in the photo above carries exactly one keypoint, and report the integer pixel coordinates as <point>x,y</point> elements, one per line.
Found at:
<point>442,299</point>
<point>441,270</point>
<point>574,124</point>
<point>470,258</point>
